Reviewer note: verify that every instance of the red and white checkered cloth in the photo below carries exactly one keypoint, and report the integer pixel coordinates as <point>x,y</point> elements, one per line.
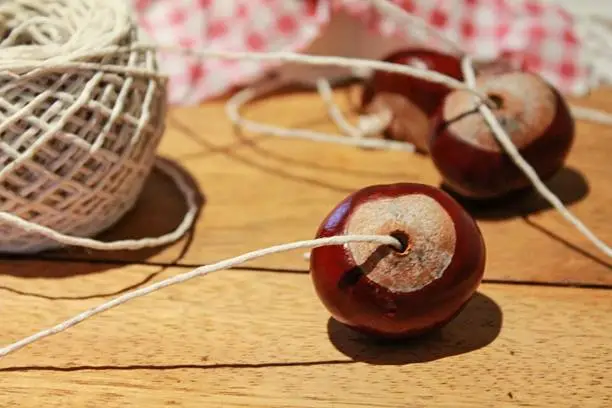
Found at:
<point>537,36</point>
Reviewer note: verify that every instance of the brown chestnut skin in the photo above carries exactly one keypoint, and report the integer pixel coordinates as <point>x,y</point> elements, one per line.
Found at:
<point>382,292</point>
<point>411,100</point>
<point>466,153</point>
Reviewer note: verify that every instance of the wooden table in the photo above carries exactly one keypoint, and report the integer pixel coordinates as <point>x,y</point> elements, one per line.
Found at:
<point>536,334</point>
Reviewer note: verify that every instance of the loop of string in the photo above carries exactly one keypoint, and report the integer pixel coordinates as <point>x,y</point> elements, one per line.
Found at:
<point>358,135</point>
<point>189,196</point>
<point>203,270</point>
<point>369,125</point>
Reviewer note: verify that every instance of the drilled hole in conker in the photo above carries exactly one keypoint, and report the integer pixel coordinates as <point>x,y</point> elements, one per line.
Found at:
<point>375,290</point>
<point>497,100</point>
<point>404,240</point>
<point>533,114</point>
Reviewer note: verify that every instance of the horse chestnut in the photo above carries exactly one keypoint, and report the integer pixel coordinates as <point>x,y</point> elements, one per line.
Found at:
<point>411,101</point>
<point>382,291</point>
<point>534,115</point>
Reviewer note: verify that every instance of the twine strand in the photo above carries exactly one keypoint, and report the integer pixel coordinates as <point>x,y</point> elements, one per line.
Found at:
<point>276,56</point>
<point>189,195</point>
<point>203,270</point>
<point>591,115</point>
<point>248,94</point>
<point>359,131</point>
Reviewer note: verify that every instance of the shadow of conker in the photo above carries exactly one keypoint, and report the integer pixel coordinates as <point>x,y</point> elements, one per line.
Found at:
<point>475,327</point>
<point>568,184</point>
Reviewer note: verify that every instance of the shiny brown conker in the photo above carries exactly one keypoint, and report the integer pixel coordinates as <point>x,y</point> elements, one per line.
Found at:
<point>412,101</point>
<point>390,293</point>
<point>534,115</point>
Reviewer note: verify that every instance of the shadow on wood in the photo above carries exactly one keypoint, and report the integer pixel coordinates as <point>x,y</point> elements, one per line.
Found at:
<point>158,211</point>
<point>598,258</point>
<point>475,327</point>
<point>275,169</point>
<point>568,184</point>
<point>288,160</point>
<point>81,268</point>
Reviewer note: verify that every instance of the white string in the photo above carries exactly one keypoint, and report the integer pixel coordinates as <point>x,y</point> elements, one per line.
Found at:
<point>368,124</point>
<point>188,193</point>
<point>354,63</point>
<point>326,94</point>
<point>334,112</point>
<point>203,270</point>
<point>27,65</point>
<point>503,138</point>
<point>592,115</point>
<point>240,98</point>
<point>376,122</point>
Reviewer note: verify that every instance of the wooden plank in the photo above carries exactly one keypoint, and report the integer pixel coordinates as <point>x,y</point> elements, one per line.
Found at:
<point>262,339</point>
<point>262,191</point>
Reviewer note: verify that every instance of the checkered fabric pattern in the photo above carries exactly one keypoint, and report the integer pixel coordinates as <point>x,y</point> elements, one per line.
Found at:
<point>534,35</point>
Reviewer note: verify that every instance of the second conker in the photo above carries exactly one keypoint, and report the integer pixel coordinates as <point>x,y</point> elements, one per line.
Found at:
<point>395,293</point>
<point>534,115</point>
<point>410,100</point>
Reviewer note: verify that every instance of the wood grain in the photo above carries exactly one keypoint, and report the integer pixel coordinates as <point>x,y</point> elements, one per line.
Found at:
<point>262,339</point>
<point>261,191</point>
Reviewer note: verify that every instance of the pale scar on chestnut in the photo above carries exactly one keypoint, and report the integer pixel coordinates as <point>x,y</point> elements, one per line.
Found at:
<point>429,243</point>
<point>409,123</point>
<point>526,107</point>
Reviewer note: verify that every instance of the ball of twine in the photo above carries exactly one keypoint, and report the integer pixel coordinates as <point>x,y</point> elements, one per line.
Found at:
<point>77,140</point>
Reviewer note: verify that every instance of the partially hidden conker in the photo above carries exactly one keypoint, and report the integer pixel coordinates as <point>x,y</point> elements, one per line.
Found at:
<point>411,101</point>
<point>470,159</point>
<point>385,292</point>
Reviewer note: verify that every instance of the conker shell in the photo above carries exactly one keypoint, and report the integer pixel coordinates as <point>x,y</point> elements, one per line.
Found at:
<point>412,101</point>
<point>470,159</point>
<point>378,290</point>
